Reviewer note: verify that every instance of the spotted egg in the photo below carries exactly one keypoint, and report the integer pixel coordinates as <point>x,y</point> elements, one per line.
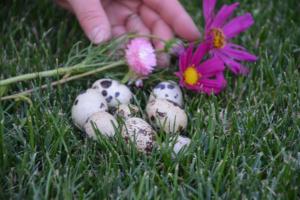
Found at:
<point>85,105</point>
<point>166,115</point>
<point>113,91</point>
<point>140,133</point>
<point>168,90</point>
<point>180,144</point>
<point>101,122</point>
<point>126,111</point>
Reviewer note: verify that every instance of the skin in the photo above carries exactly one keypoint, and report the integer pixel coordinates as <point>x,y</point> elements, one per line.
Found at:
<point>106,19</point>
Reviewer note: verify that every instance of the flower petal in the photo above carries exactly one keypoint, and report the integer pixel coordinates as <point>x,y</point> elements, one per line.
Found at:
<point>225,12</point>
<point>240,55</point>
<point>236,67</point>
<point>200,52</point>
<point>213,86</point>
<point>211,67</point>
<point>238,25</point>
<point>208,9</point>
<point>189,55</point>
<point>235,46</point>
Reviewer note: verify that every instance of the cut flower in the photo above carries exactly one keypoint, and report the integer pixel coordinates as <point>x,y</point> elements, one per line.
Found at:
<point>218,33</point>
<point>206,76</point>
<point>140,56</point>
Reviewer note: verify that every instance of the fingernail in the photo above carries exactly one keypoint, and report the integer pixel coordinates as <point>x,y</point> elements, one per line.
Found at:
<point>97,35</point>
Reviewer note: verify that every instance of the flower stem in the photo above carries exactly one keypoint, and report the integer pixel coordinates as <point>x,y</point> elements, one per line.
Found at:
<point>58,71</point>
<point>21,95</point>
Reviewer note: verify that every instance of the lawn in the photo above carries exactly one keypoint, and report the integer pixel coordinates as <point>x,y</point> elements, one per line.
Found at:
<point>245,142</point>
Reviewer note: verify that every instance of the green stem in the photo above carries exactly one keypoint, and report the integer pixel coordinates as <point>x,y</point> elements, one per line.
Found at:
<point>146,36</point>
<point>64,80</point>
<point>58,71</point>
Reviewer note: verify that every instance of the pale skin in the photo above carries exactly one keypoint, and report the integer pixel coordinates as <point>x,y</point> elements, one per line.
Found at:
<point>102,20</point>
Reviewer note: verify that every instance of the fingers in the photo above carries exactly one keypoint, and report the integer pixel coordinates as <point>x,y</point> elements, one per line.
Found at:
<point>64,4</point>
<point>121,16</point>
<point>175,15</point>
<point>92,19</point>
<point>134,24</point>
<point>117,31</point>
<point>160,29</point>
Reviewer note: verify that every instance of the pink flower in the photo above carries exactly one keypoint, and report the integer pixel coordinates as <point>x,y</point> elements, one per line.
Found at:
<point>218,33</point>
<point>206,76</point>
<point>140,56</point>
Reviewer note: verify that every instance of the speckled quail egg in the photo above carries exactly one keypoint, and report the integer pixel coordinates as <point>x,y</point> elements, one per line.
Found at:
<point>113,91</point>
<point>167,115</point>
<point>126,111</point>
<point>140,133</point>
<point>86,104</point>
<point>168,90</point>
<point>181,143</point>
<point>104,122</point>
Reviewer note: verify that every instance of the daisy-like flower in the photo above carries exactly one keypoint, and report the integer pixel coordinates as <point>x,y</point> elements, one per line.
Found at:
<point>219,31</point>
<point>200,76</point>
<point>140,56</point>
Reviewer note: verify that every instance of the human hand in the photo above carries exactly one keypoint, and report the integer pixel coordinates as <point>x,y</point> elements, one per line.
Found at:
<point>106,19</point>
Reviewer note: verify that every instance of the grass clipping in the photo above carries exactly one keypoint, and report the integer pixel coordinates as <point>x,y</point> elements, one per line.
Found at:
<point>81,63</point>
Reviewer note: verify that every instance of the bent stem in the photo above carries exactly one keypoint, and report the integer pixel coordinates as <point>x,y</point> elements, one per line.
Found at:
<point>58,71</point>
<point>66,79</point>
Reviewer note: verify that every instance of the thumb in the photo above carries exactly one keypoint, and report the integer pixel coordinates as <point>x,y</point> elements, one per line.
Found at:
<point>92,19</point>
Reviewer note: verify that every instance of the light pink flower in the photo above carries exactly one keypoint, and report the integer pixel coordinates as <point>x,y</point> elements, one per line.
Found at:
<point>219,30</point>
<point>140,56</point>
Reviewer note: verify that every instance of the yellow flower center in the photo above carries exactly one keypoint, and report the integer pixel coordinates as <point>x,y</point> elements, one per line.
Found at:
<point>191,75</point>
<point>219,40</point>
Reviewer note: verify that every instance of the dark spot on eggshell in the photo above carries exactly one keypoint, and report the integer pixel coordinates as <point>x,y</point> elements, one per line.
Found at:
<point>102,105</point>
<point>121,113</point>
<point>95,87</point>
<point>106,83</point>
<point>166,95</point>
<point>108,99</point>
<point>180,128</point>
<point>142,131</point>
<point>76,102</point>
<point>149,146</point>
<point>161,114</point>
<point>87,120</point>
<point>117,94</point>
<point>174,104</point>
<point>160,86</point>
<point>104,93</point>
<point>176,96</point>
<point>170,86</point>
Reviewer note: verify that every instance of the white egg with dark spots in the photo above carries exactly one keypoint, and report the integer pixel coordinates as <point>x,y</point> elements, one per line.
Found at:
<point>167,115</point>
<point>181,144</point>
<point>168,90</point>
<point>86,104</point>
<point>140,133</point>
<point>113,91</point>
<point>126,111</point>
<point>101,122</point>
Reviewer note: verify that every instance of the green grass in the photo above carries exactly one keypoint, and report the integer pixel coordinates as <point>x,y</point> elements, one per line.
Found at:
<point>246,142</point>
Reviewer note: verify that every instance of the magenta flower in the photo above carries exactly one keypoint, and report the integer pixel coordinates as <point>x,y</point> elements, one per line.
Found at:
<point>206,76</point>
<point>140,56</point>
<point>218,33</point>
